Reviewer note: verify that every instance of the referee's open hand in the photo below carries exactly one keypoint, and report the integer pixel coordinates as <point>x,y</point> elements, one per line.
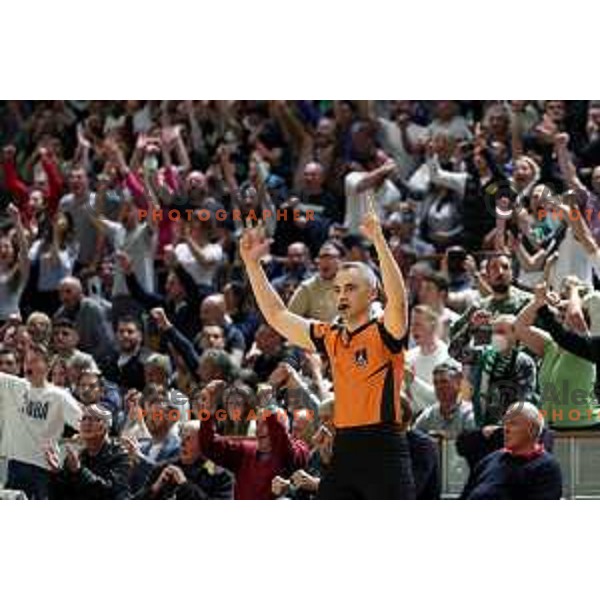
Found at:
<point>371,226</point>
<point>254,244</point>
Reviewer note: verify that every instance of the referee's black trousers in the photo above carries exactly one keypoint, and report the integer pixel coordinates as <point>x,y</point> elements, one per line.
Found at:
<point>369,463</point>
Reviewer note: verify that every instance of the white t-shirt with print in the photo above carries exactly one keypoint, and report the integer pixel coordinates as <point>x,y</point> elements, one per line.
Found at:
<point>32,417</point>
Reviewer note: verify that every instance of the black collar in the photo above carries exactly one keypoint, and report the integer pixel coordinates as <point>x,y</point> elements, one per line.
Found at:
<point>347,334</point>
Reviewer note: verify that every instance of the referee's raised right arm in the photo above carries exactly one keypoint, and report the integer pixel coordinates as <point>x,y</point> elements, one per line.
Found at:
<point>254,245</point>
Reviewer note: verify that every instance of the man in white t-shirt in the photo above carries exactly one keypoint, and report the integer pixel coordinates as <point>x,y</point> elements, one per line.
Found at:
<point>197,255</point>
<point>400,135</point>
<point>35,413</point>
<point>138,240</point>
<point>359,184</point>
<point>421,360</point>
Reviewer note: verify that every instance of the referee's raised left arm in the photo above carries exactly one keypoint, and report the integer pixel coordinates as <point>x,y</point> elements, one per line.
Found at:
<point>395,316</point>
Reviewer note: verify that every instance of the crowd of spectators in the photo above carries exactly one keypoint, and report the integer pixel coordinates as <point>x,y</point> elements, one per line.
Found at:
<point>133,361</point>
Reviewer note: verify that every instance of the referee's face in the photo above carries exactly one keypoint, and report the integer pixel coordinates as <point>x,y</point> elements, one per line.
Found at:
<point>353,293</point>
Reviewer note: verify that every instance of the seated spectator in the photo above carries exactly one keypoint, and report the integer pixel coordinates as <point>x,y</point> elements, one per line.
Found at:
<point>99,471</point>
<point>255,463</point>
<point>189,477</point>
<point>523,469</point>
<point>449,416</point>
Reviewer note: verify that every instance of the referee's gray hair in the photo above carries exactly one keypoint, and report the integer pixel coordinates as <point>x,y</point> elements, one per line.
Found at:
<point>530,412</point>
<point>365,270</point>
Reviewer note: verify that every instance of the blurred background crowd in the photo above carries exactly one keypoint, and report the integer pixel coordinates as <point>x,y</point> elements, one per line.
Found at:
<point>117,331</point>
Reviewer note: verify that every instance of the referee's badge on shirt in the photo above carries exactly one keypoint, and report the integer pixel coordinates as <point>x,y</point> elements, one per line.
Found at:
<point>360,357</point>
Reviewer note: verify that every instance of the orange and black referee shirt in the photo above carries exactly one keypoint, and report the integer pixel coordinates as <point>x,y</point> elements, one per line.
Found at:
<point>368,370</point>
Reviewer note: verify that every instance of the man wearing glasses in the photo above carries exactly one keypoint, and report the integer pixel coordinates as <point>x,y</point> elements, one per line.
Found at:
<point>315,297</point>
<point>96,468</point>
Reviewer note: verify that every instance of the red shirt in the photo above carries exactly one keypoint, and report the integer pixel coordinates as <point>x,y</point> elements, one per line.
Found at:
<point>254,471</point>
